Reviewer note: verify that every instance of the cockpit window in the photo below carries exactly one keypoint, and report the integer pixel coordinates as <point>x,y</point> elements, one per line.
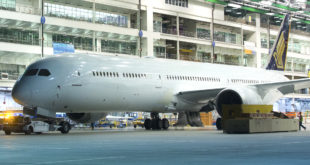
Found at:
<point>31,72</point>
<point>44,72</point>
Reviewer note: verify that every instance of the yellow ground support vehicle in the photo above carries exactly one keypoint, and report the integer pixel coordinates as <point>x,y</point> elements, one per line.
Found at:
<point>138,122</point>
<point>118,124</point>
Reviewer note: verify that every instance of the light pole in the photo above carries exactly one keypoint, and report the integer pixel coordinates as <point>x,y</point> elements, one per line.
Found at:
<point>42,28</point>
<point>212,34</point>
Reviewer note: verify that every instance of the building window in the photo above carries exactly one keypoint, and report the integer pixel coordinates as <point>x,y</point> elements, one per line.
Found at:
<point>82,43</point>
<point>203,33</point>
<point>84,14</point>
<point>157,25</point>
<point>8,5</point>
<point>56,10</point>
<point>111,19</point>
<point>19,36</point>
<point>122,47</point>
<point>181,3</point>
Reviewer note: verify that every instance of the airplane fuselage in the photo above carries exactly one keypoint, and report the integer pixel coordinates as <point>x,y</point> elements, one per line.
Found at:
<point>93,83</point>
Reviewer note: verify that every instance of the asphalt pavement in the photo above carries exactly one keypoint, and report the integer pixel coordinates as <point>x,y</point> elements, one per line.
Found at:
<point>138,146</point>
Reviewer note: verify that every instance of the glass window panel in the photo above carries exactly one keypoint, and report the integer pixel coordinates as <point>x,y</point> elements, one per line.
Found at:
<point>78,14</point>
<point>105,18</point>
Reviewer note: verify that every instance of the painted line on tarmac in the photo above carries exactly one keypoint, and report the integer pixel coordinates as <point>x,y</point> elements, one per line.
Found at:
<point>298,142</point>
<point>77,160</point>
<point>57,148</point>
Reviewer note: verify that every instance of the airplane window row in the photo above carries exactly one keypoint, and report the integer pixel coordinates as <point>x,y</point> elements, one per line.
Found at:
<point>245,81</point>
<point>105,74</point>
<point>134,75</point>
<point>169,77</point>
<point>115,74</point>
<point>33,72</point>
<point>193,78</point>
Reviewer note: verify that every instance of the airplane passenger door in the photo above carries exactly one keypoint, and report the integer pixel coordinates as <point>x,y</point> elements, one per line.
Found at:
<point>158,79</point>
<point>71,85</point>
<point>77,79</point>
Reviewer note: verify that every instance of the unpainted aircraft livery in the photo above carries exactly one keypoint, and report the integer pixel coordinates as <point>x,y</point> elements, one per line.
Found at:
<point>86,87</point>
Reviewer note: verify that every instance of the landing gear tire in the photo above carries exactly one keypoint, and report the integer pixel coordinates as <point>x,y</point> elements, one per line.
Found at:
<point>7,132</point>
<point>135,126</point>
<point>165,124</point>
<point>29,131</point>
<point>219,125</point>
<point>154,124</point>
<point>148,124</point>
<point>159,124</point>
<point>65,127</point>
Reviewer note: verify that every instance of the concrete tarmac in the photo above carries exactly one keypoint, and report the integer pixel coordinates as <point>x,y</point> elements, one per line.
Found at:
<point>174,147</point>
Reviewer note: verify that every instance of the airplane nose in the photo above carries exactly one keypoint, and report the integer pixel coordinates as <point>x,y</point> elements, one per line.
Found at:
<point>20,93</point>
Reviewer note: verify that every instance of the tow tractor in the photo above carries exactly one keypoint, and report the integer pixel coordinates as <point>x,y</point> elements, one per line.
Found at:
<point>21,124</point>
<point>138,122</point>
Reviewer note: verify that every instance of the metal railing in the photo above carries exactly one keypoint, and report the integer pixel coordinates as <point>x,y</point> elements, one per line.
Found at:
<point>165,55</point>
<point>293,30</point>
<point>37,42</point>
<point>288,69</point>
<point>13,39</point>
<point>28,10</point>
<point>290,49</point>
<point>217,37</point>
<point>300,32</point>
<point>81,46</point>
<point>202,35</point>
<point>239,20</point>
<point>227,62</point>
<point>118,51</point>
<point>188,33</point>
<point>170,31</point>
<point>22,9</point>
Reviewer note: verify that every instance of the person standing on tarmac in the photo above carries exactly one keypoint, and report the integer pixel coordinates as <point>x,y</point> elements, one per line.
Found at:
<point>92,125</point>
<point>300,122</point>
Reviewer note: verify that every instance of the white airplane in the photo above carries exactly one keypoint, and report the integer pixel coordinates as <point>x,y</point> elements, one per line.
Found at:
<point>86,87</point>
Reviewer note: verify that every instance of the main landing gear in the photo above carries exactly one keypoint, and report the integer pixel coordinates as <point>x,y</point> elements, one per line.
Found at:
<point>219,124</point>
<point>155,123</point>
<point>191,118</point>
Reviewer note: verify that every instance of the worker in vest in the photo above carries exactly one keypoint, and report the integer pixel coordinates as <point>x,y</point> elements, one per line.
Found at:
<point>300,121</point>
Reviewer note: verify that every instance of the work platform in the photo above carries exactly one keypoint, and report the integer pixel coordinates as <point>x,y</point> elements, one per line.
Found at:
<point>260,125</point>
<point>255,119</point>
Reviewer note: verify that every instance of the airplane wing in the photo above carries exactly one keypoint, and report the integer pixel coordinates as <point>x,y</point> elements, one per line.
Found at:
<point>285,87</point>
<point>200,96</point>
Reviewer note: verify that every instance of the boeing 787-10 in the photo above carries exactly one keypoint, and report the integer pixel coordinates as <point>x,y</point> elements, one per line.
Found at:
<point>87,87</point>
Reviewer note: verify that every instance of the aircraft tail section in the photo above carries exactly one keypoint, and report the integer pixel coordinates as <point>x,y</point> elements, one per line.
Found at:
<point>279,49</point>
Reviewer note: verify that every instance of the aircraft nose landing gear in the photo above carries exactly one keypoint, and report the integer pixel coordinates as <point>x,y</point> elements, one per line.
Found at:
<point>156,123</point>
<point>65,127</point>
